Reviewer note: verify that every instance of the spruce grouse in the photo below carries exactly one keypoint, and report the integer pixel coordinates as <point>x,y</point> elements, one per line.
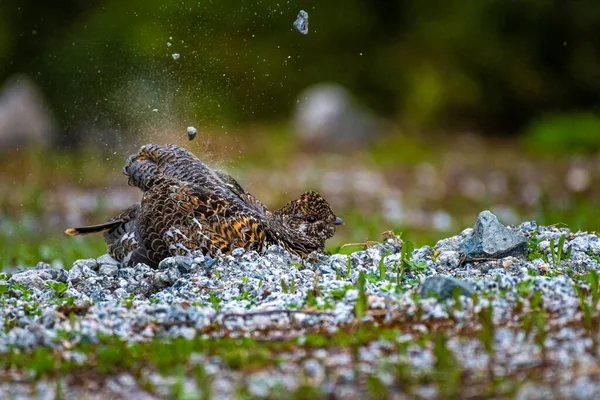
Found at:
<point>187,206</point>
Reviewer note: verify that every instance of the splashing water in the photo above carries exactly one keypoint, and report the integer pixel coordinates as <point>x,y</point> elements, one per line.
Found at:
<point>301,23</point>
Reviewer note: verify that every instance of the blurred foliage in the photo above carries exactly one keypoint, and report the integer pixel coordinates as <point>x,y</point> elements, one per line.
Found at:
<point>21,249</point>
<point>565,134</point>
<point>45,192</point>
<point>481,65</point>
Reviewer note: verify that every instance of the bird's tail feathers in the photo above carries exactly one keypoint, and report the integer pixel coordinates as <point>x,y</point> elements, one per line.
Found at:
<point>84,230</point>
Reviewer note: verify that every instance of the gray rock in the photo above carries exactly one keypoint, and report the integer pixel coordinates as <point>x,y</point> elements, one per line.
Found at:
<point>209,261</point>
<point>182,263</point>
<point>126,273</point>
<point>24,117</point>
<point>443,286</point>
<point>491,239</point>
<point>43,265</point>
<point>107,259</point>
<point>88,263</point>
<point>79,273</point>
<point>120,293</point>
<point>59,275</point>
<point>586,243</point>
<point>329,117</point>
<point>449,259</point>
<point>109,270</point>
<point>449,244</point>
<point>35,278</point>
<point>237,253</point>
<point>529,226</point>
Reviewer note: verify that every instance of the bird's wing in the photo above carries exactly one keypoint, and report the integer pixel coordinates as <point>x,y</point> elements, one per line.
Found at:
<point>169,160</point>
<point>229,224</point>
<point>232,185</point>
<point>177,217</point>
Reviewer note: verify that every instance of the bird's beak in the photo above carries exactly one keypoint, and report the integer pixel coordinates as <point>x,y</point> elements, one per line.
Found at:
<point>338,221</point>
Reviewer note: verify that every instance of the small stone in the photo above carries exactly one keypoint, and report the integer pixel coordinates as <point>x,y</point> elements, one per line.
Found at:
<point>126,380</point>
<point>109,270</point>
<point>508,262</point>
<point>33,278</point>
<point>586,243</point>
<point>192,132</point>
<point>209,261</point>
<point>238,252</point>
<point>126,273</point>
<point>443,287</point>
<point>182,263</point>
<point>42,265</point>
<point>312,367</point>
<point>491,239</point>
<point>448,259</point>
<point>375,302</point>
<point>449,244</point>
<point>198,257</point>
<point>75,275</point>
<point>107,259</point>
<point>529,226</point>
<point>301,23</point>
<point>88,263</point>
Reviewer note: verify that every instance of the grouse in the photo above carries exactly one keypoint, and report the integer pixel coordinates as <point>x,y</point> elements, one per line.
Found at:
<point>187,206</point>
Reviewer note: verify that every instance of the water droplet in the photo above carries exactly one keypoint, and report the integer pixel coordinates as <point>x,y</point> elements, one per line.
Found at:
<point>175,56</point>
<point>168,44</point>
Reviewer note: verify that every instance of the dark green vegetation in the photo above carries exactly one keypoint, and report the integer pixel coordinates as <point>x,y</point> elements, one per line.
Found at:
<point>106,64</point>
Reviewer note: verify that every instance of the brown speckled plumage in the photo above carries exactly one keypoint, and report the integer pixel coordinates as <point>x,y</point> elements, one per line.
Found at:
<point>188,206</point>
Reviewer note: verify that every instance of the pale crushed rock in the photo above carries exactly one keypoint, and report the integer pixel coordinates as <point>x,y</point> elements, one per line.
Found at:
<point>177,296</point>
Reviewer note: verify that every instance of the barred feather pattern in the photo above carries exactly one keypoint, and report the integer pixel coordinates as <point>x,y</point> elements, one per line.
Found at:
<point>177,218</point>
<point>187,206</point>
<point>179,163</point>
<point>121,239</point>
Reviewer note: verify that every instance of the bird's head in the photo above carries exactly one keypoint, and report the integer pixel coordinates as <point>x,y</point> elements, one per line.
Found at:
<point>306,223</point>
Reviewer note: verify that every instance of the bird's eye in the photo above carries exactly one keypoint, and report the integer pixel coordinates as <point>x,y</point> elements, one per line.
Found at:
<point>311,219</point>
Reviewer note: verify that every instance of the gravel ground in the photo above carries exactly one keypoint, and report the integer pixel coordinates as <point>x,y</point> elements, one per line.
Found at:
<point>496,305</point>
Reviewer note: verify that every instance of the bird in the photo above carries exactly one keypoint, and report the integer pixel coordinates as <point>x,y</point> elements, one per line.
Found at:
<point>177,162</point>
<point>187,206</point>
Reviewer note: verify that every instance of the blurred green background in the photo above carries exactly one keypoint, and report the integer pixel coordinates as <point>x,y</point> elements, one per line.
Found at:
<point>426,113</point>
